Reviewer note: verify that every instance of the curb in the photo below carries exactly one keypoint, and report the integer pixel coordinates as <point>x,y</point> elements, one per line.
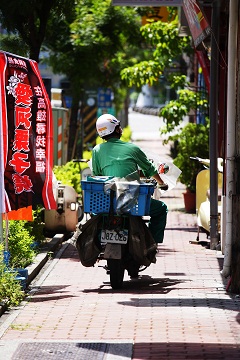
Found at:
<point>43,257</point>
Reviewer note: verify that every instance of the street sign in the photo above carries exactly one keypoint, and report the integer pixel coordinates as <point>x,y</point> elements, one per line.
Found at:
<point>147,3</point>
<point>91,97</point>
<point>102,111</point>
<point>104,98</point>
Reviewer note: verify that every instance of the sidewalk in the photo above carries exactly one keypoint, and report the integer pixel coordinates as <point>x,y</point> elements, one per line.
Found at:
<point>177,309</point>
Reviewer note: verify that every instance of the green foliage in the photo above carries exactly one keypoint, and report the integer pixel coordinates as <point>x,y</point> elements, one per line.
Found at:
<point>24,239</point>
<point>133,97</point>
<point>193,140</point>
<point>29,20</point>
<point>103,39</point>
<point>92,47</point>
<point>69,174</point>
<point>126,134</point>
<point>142,73</point>
<point>35,227</point>
<point>174,112</point>
<point>20,244</point>
<point>11,293</point>
<point>99,140</point>
<point>14,44</point>
<point>178,81</point>
<point>87,154</point>
<point>164,37</point>
<point>165,48</point>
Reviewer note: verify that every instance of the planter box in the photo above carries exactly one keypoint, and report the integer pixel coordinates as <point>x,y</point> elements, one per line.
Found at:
<point>190,202</point>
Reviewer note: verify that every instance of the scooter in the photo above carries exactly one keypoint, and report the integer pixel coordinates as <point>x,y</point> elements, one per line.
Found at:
<point>116,231</point>
<point>203,196</point>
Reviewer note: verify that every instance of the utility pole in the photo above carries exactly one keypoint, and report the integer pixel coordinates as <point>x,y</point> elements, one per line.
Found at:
<point>235,160</point>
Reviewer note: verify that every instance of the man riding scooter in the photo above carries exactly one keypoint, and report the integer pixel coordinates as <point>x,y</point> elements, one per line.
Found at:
<point>119,159</point>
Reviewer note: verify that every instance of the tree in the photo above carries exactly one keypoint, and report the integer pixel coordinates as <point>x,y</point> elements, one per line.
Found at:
<point>29,20</point>
<point>93,49</point>
<point>88,43</point>
<point>167,59</point>
<point>14,44</point>
<point>176,110</point>
<point>166,48</point>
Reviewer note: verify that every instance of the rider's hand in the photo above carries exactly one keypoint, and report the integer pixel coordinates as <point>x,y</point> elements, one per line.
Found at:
<point>163,186</point>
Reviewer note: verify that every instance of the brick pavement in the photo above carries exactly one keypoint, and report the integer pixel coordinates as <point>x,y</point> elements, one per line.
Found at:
<point>177,309</point>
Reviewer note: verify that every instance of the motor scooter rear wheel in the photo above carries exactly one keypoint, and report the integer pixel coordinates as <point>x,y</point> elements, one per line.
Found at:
<point>116,269</point>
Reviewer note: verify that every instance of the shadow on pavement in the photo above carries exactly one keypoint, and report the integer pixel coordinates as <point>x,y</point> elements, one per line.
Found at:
<point>144,285</point>
<point>186,350</point>
<point>227,304</point>
<point>49,293</point>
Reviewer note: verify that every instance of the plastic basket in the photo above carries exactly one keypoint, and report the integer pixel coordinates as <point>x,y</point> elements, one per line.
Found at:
<point>95,200</point>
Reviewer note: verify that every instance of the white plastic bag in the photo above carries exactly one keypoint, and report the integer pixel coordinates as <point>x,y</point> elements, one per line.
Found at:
<point>171,176</point>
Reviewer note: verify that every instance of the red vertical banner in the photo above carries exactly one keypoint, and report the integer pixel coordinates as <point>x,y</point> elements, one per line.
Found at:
<point>27,135</point>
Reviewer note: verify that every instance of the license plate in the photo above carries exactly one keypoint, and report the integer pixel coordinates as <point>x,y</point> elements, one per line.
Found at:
<point>114,237</point>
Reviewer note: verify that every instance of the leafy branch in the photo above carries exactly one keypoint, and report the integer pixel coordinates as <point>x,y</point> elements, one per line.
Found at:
<point>174,112</point>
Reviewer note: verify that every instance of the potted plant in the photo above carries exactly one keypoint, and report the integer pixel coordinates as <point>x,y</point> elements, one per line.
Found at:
<point>192,141</point>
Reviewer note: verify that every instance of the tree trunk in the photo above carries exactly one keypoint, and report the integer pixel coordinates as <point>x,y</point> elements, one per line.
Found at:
<point>73,131</point>
<point>126,106</point>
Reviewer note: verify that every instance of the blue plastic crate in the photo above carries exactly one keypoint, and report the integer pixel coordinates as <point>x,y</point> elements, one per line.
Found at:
<point>95,200</point>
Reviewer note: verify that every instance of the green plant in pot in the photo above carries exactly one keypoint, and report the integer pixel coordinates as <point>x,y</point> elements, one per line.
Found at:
<point>192,141</point>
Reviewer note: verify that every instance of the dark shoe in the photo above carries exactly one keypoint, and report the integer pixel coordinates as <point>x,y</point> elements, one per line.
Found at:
<point>133,269</point>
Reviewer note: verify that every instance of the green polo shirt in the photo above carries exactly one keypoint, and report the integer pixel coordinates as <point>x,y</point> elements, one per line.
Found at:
<point>118,158</point>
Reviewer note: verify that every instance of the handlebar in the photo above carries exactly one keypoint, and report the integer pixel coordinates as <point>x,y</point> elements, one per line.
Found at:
<point>80,160</point>
<point>155,183</point>
<point>163,187</point>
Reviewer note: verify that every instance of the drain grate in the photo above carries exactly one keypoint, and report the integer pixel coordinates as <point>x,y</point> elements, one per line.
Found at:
<point>60,351</point>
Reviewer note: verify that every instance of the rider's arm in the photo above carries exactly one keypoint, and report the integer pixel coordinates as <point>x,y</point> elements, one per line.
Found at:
<point>162,184</point>
<point>158,179</point>
<point>148,167</point>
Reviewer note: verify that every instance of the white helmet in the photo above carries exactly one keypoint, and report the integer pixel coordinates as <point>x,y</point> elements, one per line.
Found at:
<point>106,124</point>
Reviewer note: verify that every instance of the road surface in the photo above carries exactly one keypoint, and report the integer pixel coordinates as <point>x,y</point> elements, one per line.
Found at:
<point>144,127</point>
